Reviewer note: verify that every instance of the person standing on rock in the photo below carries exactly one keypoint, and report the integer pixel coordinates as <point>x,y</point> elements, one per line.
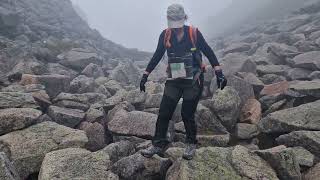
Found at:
<point>183,45</point>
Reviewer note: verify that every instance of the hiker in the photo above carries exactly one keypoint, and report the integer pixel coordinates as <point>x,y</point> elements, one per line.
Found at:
<point>183,45</point>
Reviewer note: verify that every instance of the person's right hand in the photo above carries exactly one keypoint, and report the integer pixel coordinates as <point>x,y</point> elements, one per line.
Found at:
<point>221,79</point>
<point>143,82</point>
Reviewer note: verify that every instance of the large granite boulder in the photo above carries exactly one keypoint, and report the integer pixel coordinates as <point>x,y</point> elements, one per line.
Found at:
<point>119,150</point>
<point>85,98</point>
<point>13,119</point>
<point>303,117</point>
<point>54,83</point>
<point>55,68</point>
<point>233,63</point>
<point>135,123</point>
<point>306,88</point>
<point>27,148</point>
<point>251,112</point>
<point>313,173</point>
<point>309,60</point>
<point>126,73</point>
<point>226,105</point>
<point>93,70</point>
<point>78,59</point>
<point>76,163</point>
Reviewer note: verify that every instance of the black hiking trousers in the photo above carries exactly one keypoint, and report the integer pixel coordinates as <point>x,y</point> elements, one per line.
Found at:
<point>191,93</point>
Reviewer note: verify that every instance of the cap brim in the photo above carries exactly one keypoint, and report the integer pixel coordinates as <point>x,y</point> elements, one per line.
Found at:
<point>176,24</point>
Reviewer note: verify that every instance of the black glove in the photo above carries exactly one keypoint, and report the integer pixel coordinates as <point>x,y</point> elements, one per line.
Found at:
<point>143,82</point>
<point>221,80</point>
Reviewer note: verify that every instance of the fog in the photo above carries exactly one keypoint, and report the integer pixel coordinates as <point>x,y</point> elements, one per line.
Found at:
<point>137,24</point>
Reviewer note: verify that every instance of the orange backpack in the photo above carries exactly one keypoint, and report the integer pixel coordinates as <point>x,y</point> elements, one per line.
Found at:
<point>192,35</point>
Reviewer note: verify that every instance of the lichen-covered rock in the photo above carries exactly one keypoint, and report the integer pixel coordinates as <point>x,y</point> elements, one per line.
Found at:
<point>138,167</point>
<point>7,170</point>
<point>313,173</point>
<point>303,117</point>
<point>93,70</point>
<point>27,148</point>
<point>275,88</point>
<point>135,123</point>
<point>246,131</point>
<point>76,163</point>
<point>304,157</point>
<point>126,73</point>
<point>17,100</point>
<point>283,160</point>
<point>55,68</point>
<point>233,63</point>
<point>82,84</point>
<point>226,105</point>
<point>119,150</point>
<point>72,105</point>
<point>250,165</point>
<point>272,69</point>
<point>85,98</point>
<point>208,163</point>
<point>13,119</point>
<point>153,100</point>
<point>65,116</point>
<point>96,135</point>
<point>309,140</point>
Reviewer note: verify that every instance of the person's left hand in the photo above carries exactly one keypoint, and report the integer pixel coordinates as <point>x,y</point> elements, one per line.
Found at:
<point>143,82</point>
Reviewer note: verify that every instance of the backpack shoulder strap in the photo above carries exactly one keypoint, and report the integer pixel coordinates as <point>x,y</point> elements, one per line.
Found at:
<point>167,38</point>
<point>193,33</point>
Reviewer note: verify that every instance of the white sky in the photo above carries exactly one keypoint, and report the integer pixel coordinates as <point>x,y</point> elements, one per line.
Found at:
<point>138,23</point>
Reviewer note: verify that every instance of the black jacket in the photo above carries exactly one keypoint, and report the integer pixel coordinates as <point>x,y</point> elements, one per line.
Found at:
<point>183,46</point>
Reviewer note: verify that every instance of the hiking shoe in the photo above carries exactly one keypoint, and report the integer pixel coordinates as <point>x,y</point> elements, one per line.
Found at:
<point>148,153</point>
<point>190,151</point>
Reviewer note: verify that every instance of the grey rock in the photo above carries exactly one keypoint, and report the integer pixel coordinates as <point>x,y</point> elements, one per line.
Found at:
<point>9,18</point>
<point>233,63</point>
<point>7,170</point>
<point>312,173</point>
<point>298,74</point>
<point>309,60</point>
<point>138,167</point>
<point>85,98</point>
<point>119,150</point>
<point>72,105</point>
<point>306,88</point>
<point>136,98</point>
<point>82,84</point>
<point>309,140</point>
<point>272,69</point>
<point>126,73</point>
<point>153,101</point>
<point>208,163</point>
<point>78,59</point>
<point>304,117</point>
<point>93,70</point>
<point>237,47</point>
<point>13,119</point>
<point>54,83</point>
<point>272,78</point>
<point>65,116</point>
<point>250,165</point>
<point>304,157</point>
<point>96,135</point>
<point>37,141</point>
<point>251,78</point>
<point>222,140</point>
<point>17,100</point>
<point>314,75</point>
<point>283,160</point>
<point>244,89</point>
<point>54,68</point>
<point>94,115</point>
<point>76,163</point>
<point>135,123</point>
<point>246,131</point>
<point>226,105</point>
